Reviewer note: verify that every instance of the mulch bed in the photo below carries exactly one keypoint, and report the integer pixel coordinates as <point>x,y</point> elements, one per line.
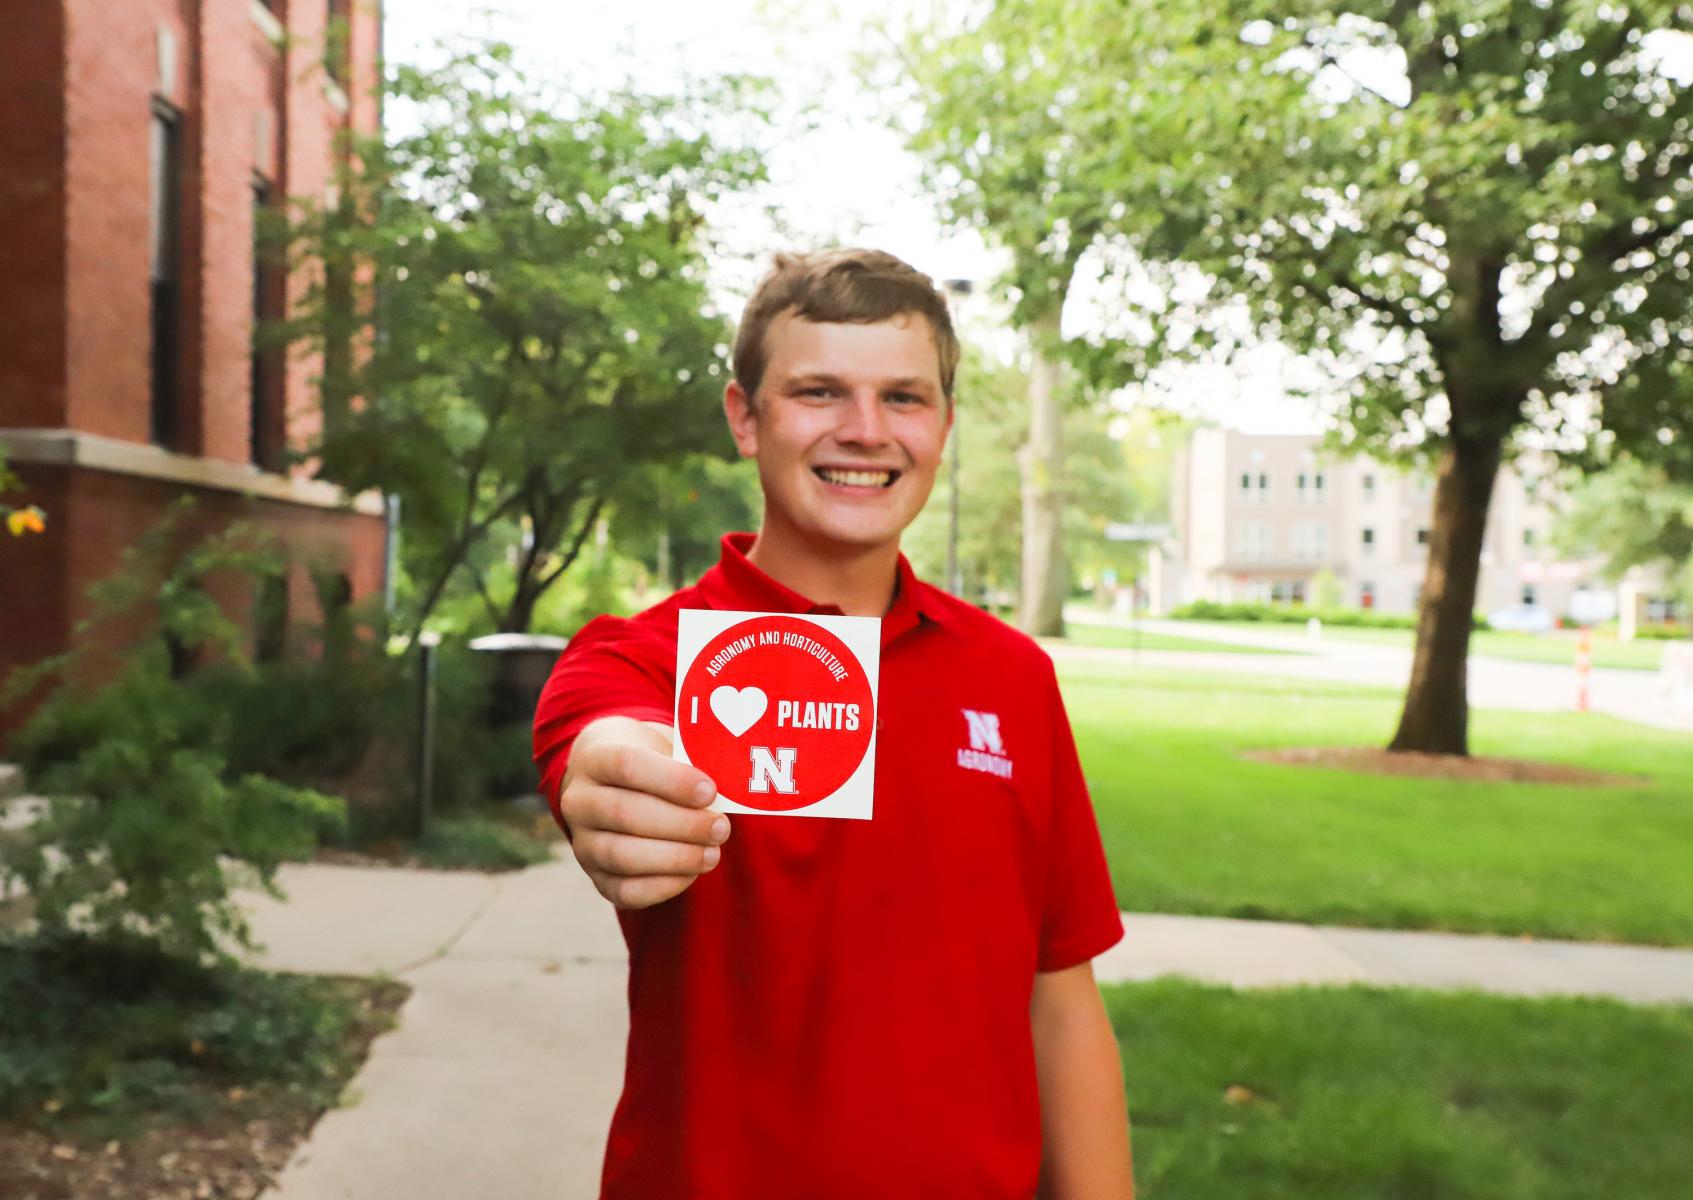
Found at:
<point>1376,761</point>
<point>234,1155</point>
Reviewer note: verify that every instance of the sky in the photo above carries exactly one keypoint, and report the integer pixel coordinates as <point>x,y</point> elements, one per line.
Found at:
<point>838,173</point>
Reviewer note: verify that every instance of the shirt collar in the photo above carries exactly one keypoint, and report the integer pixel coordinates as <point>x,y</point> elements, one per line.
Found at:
<point>735,583</point>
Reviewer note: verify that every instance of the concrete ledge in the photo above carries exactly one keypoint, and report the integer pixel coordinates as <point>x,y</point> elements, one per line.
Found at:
<point>71,448</point>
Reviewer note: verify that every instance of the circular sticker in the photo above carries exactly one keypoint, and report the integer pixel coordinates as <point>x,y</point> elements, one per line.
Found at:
<point>777,711</point>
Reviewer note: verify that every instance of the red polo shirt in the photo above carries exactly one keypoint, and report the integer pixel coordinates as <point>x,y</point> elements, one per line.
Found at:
<point>841,1008</point>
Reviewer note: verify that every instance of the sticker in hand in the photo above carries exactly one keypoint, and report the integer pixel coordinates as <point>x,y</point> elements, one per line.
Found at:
<point>777,711</point>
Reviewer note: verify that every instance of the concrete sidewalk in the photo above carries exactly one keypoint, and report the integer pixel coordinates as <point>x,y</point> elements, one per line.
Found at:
<point>501,1077</point>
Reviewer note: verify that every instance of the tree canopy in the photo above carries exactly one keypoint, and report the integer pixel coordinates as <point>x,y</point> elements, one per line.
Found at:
<point>543,329</point>
<point>1474,218</point>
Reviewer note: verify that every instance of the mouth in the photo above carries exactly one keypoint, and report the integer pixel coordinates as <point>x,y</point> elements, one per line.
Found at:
<point>857,477</point>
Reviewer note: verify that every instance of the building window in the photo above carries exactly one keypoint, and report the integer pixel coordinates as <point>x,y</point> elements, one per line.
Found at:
<point>1254,488</point>
<point>1310,541</point>
<point>1253,540</point>
<point>1528,539</point>
<point>1309,488</point>
<point>1368,540</point>
<point>1422,535</point>
<point>1291,591</point>
<point>1528,593</point>
<point>1366,595</point>
<point>165,179</point>
<point>265,380</point>
<point>1369,488</point>
<point>270,617</point>
<point>1317,482</point>
<point>337,42</point>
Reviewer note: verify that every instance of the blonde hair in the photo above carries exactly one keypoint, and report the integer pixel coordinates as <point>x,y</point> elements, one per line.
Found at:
<point>843,286</point>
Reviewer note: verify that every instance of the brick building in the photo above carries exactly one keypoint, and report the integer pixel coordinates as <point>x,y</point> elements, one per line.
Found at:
<point>140,140</point>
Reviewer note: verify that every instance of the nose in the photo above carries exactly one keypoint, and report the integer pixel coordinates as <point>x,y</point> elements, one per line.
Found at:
<point>864,421</point>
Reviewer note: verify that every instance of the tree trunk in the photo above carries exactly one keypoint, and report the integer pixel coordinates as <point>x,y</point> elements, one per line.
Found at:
<point>1040,609</point>
<point>1436,715</point>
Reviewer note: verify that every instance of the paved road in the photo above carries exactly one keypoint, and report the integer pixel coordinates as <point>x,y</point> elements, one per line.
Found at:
<point>1639,696</point>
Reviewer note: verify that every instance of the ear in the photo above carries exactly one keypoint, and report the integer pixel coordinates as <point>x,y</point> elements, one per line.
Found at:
<point>743,418</point>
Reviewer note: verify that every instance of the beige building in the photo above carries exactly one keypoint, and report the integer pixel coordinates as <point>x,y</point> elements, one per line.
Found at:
<point>1256,517</point>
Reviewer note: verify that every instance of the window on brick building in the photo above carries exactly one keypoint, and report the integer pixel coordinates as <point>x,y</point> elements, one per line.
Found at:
<point>337,41</point>
<point>165,176</point>
<point>265,382</point>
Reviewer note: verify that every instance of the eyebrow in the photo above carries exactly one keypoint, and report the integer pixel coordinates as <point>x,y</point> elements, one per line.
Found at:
<point>906,382</point>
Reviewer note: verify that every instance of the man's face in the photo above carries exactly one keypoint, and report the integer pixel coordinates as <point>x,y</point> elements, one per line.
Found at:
<point>848,428</point>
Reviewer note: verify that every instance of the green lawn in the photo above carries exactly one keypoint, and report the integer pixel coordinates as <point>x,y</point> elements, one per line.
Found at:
<point>1365,1094</point>
<point>1191,827</point>
<point>1127,638</point>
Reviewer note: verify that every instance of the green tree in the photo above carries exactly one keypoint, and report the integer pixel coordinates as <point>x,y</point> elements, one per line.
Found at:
<point>1476,215</point>
<point>1633,515</point>
<point>543,330</point>
<point>992,428</point>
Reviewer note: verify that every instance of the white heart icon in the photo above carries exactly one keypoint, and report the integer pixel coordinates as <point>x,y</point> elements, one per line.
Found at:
<point>739,710</point>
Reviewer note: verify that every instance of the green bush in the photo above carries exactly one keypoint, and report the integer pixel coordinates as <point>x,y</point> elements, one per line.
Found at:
<point>114,1025</point>
<point>152,820</point>
<point>478,844</point>
<point>1365,618</point>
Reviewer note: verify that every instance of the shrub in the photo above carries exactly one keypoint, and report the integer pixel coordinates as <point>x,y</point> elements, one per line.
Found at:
<point>151,822</point>
<point>1365,618</point>
<point>479,844</point>
<point>113,1025</point>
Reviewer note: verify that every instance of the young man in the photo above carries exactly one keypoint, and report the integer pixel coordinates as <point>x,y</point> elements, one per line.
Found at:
<point>894,1009</point>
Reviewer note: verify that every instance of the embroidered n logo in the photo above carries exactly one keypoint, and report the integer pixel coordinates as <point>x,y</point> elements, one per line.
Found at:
<point>984,731</point>
<point>773,770</point>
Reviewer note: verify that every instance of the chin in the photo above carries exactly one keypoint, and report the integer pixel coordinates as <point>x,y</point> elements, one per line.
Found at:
<point>858,535</point>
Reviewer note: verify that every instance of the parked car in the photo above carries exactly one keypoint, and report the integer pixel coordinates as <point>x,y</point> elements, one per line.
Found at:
<point>1523,618</point>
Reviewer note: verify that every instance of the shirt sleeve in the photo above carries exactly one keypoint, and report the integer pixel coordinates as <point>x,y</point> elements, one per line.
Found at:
<point>608,670</point>
<point>1079,919</point>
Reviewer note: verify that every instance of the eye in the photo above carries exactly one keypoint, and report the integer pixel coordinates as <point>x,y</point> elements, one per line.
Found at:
<point>905,398</point>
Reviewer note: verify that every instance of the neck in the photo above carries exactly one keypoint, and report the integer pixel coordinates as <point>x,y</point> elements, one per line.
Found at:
<point>859,581</point>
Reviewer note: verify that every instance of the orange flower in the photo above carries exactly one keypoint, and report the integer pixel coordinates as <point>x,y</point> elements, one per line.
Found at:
<point>26,520</point>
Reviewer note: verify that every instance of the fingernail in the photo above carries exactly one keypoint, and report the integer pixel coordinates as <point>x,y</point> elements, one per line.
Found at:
<point>720,829</point>
<point>707,792</point>
<point>712,854</point>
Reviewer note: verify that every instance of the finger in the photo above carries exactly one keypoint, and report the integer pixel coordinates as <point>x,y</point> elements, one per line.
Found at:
<point>641,891</point>
<point>619,810</point>
<point>620,854</point>
<point>641,769</point>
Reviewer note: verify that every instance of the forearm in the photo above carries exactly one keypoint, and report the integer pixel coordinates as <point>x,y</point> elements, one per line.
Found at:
<point>1084,1114</point>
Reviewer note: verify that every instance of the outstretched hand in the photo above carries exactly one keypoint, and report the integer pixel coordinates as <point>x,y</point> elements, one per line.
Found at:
<point>638,819</point>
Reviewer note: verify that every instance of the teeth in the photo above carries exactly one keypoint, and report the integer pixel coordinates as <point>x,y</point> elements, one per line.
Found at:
<point>857,478</point>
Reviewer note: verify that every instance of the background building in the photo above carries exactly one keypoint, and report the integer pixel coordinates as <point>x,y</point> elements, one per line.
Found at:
<point>141,141</point>
<point>1257,516</point>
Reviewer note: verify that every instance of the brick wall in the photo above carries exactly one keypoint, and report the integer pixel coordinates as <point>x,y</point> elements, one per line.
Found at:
<point>32,205</point>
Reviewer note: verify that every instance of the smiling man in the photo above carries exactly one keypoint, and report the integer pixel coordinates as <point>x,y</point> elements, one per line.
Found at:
<point>842,1010</point>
